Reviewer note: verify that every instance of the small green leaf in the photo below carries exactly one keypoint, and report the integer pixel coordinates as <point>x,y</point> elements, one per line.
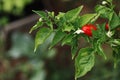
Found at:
<point>39,24</point>
<point>41,36</point>
<point>41,13</point>
<point>73,14</point>
<point>115,21</point>
<point>57,38</point>
<point>84,62</point>
<point>86,19</point>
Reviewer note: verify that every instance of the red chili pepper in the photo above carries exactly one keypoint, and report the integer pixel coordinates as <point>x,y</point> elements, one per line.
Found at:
<point>88,29</point>
<point>107,26</point>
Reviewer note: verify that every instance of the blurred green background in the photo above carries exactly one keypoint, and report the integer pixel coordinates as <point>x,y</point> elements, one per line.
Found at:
<point>17,58</point>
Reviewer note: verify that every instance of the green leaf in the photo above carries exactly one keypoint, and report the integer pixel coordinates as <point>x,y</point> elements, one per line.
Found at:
<point>41,13</point>
<point>39,24</point>
<point>115,21</point>
<point>84,62</point>
<point>73,14</point>
<point>41,36</point>
<point>86,19</point>
<point>67,39</point>
<point>57,38</point>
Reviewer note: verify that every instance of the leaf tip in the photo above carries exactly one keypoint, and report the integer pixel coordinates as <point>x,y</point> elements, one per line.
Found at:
<point>30,31</point>
<point>105,58</point>
<point>75,78</point>
<point>33,10</point>
<point>82,6</point>
<point>50,47</point>
<point>34,49</point>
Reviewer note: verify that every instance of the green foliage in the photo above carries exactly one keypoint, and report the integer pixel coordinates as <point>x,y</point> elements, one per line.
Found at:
<point>68,23</point>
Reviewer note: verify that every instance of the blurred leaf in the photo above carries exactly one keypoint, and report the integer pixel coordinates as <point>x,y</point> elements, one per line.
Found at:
<point>3,21</point>
<point>39,76</point>
<point>40,73</point>
<point>51,53</point>
<point>22,44</point>
<point>15,7</point>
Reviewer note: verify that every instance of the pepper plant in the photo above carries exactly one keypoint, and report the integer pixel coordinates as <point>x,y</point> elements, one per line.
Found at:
<point>69,27</point>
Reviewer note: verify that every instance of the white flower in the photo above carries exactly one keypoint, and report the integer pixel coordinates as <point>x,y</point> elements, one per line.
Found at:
<point>40,19</point>
<point>78,31</point>
<point>109,34</point>
<point>104,2</point>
